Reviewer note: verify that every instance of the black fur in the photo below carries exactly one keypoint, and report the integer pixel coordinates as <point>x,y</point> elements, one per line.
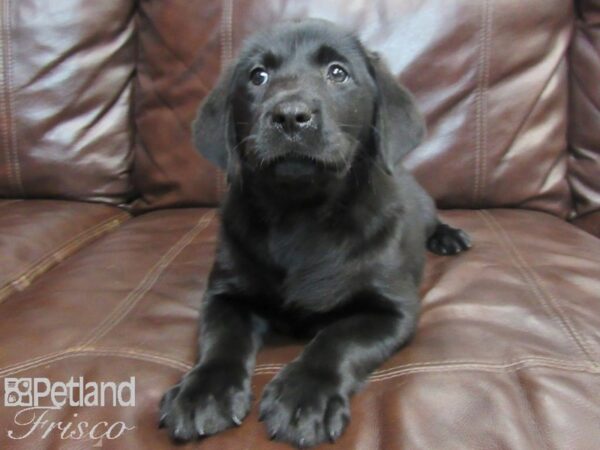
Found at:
<point>323,233</point>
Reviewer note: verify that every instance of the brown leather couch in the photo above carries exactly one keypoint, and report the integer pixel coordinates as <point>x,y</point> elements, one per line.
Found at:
<point>108,219</point>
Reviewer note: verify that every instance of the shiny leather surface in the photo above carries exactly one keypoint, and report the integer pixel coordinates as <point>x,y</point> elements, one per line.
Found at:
<point>584,163</point>
<point>491,81</point>
<point>36,235</point>
<point>65,92</point>
<point>507,354</point>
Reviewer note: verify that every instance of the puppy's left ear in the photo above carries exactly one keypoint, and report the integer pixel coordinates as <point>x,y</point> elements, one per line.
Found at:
<point>400,127</point>
<point>212,130</point>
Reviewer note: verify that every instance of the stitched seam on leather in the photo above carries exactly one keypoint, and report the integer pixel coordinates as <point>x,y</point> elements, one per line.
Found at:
<point>135,351</point>
<point>10,138</point>
<point>4,94</point>
<point>534,283</point>
<point>486,74</point>
<point>454,362</point>
<point>518,365</point>
<point>487,369</point>
<point>128,303</point>
<point>530,363</point>
<point>18,282</point>
<point>4,98</point>
<point>478,103</point>
<point>129,353</point>
<point>76,351</point>
<point>481,102</point>
<point>81,235</point>
<point>28,362</point>
<point>52,356</point>
<point>14,147</point>
<point>274,368</point>
<point>529,408</point>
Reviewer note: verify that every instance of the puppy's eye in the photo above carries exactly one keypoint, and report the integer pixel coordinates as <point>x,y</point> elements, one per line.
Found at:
<point>337,73</point>
<point>259,76</point>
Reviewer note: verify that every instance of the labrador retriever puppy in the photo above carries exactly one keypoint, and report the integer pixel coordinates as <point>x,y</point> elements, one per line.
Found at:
<point>323,233</point>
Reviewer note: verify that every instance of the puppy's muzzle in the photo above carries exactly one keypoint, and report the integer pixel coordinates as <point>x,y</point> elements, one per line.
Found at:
<point>294,118</point>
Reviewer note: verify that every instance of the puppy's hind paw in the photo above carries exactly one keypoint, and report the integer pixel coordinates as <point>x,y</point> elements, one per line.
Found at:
<point>446,240</point>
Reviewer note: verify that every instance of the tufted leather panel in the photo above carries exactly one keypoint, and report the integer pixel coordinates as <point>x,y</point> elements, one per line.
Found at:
<point>65,94</point>
<point>490,76</point>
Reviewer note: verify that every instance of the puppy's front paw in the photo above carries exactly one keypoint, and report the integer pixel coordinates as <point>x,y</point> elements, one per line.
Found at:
<point>446,240</point>
<point>304,407</point>
<point>208,400</point>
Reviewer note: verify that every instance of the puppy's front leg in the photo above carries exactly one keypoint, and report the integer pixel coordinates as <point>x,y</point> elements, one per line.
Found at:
<point>215,394</point>
<point>308,401</point>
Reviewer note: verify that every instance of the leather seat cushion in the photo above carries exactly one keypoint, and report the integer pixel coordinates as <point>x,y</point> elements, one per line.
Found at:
<point>507,353</point>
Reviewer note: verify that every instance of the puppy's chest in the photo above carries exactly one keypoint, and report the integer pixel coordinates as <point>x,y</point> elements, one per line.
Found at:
<point>317,271</point>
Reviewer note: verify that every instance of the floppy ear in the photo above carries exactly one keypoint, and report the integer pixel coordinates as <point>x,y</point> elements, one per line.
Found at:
<point>212,130</point>
<point>400,127</point>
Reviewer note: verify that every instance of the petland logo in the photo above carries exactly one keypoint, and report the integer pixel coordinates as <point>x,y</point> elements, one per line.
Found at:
<point>37,396</point>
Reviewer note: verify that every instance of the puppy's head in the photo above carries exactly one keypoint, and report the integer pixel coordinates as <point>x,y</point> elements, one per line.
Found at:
<point>303,103</point>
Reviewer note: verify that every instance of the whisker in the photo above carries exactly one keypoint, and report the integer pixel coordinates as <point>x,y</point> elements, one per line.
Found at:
<point>244,140</point>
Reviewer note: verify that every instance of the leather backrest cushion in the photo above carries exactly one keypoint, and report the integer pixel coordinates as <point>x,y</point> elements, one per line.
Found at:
<point>65,99</point>
<point>584,130</point>
<point>489,76</point>
<point>179,61</point>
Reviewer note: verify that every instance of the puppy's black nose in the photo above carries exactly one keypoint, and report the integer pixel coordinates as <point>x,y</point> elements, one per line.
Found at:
<point>292,116</point>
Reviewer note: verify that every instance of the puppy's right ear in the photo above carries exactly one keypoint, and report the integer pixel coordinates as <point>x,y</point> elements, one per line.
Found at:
<point>212,130</point>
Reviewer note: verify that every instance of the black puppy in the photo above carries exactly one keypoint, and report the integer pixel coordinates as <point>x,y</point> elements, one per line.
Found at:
<point>323,232</point>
